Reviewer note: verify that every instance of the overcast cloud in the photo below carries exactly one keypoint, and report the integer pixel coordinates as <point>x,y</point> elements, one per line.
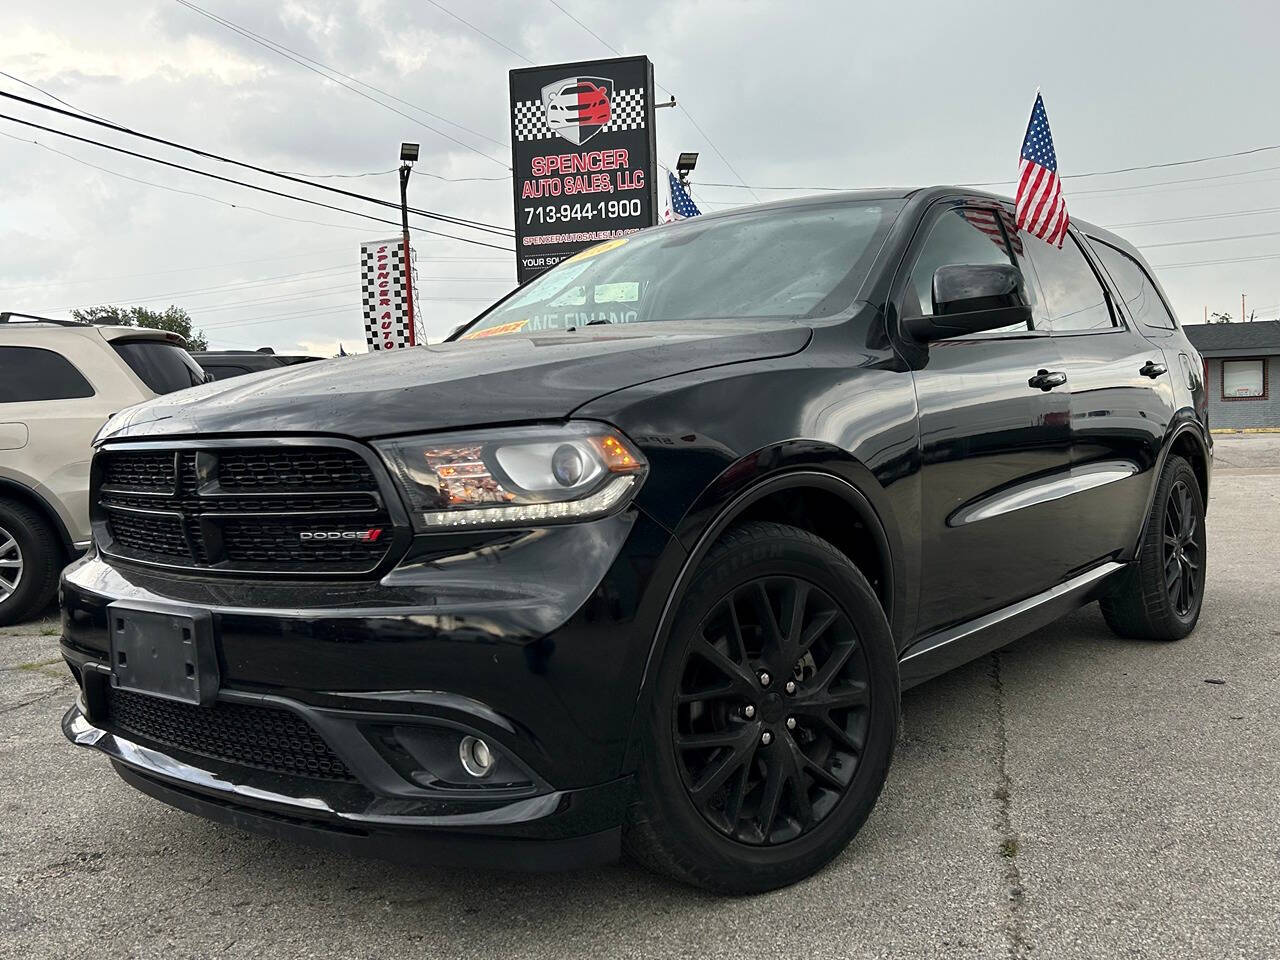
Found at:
<point>797,93</point>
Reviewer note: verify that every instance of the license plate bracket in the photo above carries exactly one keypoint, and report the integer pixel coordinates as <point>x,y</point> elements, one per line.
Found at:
<point>164,652</point>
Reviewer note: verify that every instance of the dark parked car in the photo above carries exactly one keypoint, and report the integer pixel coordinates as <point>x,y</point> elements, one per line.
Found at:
<point>223,364</point>
<point>642,558</point>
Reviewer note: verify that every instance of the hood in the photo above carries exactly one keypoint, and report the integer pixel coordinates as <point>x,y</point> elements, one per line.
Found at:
<point>460,384</point>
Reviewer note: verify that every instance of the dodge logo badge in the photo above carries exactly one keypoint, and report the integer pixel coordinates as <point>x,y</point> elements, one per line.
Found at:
<point>366,536</point>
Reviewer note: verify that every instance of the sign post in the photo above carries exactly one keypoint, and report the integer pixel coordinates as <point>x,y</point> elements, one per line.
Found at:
<point>583,157</point>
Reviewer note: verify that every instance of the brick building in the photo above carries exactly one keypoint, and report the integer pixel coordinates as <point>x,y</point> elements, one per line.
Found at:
<point>1244,372</point>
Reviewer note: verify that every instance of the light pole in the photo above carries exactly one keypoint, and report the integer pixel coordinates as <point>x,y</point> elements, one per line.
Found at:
<point>408,154</point>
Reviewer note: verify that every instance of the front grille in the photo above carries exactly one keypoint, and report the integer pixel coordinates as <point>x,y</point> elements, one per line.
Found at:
<point>159,534</point>
<point>284,469</point>
<point>291,509</point>
<point>140,471</point>
<point>266,738</point>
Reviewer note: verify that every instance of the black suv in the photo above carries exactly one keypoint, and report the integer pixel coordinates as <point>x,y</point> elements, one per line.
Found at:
<point>643,556</point>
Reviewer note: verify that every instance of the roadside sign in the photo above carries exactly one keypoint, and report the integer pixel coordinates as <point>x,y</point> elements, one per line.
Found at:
<point>583,157</point>
<point>386,312</point>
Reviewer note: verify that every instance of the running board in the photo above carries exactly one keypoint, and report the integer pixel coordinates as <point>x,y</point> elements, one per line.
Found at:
<point>937,653</point>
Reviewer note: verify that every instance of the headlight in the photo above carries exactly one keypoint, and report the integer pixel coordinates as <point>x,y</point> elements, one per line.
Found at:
<point>521,475</point>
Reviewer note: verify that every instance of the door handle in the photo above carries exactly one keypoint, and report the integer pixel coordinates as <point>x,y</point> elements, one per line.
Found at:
<point>1152,369</point>
<point>1047,379</point>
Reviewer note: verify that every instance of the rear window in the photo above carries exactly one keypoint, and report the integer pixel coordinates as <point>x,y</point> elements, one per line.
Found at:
<point>1135,285</point>
<point>163,367</point>
<point>29,374</point>
<point>223,371</point>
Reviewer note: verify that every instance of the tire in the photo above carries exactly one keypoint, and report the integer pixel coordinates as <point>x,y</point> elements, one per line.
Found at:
<point>832,717</point>
<point>26,539</point>
<point>1142,605</point>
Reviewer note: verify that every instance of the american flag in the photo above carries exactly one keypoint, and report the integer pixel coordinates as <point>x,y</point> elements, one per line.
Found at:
<point>1041,209</point>
<point>682,204</point>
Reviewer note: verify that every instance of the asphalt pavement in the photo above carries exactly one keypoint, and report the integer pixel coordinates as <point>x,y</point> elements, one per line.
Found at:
<point>1074,795</point>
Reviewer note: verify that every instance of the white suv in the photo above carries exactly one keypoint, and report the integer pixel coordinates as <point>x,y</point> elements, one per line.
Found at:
<point>59,382</point>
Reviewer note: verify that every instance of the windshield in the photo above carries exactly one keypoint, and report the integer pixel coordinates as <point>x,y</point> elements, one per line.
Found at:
<point>788,263</point>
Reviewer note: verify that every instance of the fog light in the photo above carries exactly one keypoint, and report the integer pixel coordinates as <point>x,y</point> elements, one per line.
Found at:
<point>476,757</point>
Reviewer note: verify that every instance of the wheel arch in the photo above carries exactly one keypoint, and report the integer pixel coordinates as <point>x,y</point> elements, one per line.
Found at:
<point>1186,437</point>
<point>21,493</point>
<point>775,496</point>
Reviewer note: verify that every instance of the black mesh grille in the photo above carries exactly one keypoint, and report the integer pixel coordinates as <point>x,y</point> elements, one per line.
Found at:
<point>254,541</point>
<point>151,534</point>
<point>140,471</point>
<point>291,509</point>
<point>284,469</point>
<point>266,738</point>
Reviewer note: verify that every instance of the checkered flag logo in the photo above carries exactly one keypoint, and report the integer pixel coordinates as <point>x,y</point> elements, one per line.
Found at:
<point>627,112</point>
<point>386,313</point>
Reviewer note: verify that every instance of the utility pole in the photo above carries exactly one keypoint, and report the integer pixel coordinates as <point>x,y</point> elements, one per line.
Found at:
<point>408,154</point>
<point>1242,308</point>
<point>1206,313</point>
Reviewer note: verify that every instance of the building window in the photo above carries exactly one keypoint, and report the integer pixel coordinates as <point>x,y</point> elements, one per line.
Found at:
<point>1244,379</point>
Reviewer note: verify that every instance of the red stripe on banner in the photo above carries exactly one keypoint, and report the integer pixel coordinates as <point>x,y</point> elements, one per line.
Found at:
<point>1045,193</point>
<point>1033,191</point>
<point>1021,196</point>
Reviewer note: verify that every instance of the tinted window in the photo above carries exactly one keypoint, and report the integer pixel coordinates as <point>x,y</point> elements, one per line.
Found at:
<point>968,236</point>
<point>1072,292</point>
<point>222,371</point>
<point>164,367</point>
<point>1135,286</point>
<point>793,262</point>
<point>28,373</point>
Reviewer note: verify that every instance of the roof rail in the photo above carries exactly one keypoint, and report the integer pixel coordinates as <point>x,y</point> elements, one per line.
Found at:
<point>8,316</point>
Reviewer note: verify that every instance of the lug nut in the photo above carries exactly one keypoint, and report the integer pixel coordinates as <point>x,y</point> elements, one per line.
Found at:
<point>748,711</point>
<point>766,738</point>
<point>791,723</point>
<point>790,687</point>
<point>765,679</point>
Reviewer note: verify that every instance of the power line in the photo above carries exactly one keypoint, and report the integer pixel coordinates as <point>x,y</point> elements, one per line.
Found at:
<point>482,33</point>
<point>189,193</point>
<point>683,109</point>
<point>51,96</point>
<point>1145,166</point>
<point>1201,263</point>
<point>207,155</point>
<point>586,28</point>
<point>1239,236</point>
<point>1207,216</point>
<point>242,183</point>
<point>283,51</point>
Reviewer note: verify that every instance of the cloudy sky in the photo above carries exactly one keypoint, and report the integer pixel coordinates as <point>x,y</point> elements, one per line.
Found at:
<point>799,94</point>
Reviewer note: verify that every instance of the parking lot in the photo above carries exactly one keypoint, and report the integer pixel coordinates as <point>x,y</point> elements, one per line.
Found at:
<point>1072,796</point>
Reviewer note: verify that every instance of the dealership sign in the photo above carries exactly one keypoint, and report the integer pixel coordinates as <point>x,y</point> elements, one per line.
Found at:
<point>582,150</point>
<point>386,312</point>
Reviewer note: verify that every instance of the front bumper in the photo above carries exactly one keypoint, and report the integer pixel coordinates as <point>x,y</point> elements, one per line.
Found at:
<point>537,644</point>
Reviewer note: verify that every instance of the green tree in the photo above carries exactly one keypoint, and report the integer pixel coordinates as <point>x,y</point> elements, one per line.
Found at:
<point>174,319</point>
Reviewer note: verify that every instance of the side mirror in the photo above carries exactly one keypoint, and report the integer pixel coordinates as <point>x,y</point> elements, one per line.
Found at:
<point>969,298</point>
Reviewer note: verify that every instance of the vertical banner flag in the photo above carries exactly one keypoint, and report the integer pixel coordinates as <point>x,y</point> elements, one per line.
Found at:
<point>1042,211</point>
<point>582,157</point>
<point>386,314</point>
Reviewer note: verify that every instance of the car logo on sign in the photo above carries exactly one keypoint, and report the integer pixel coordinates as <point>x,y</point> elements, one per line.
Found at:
<point>578,108</point>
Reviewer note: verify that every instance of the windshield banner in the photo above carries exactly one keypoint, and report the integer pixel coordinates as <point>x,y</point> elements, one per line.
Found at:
<point>582,156</point>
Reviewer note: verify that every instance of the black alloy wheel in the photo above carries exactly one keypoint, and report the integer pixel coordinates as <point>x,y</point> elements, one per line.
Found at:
<point>1183,556</point>
<point>770,718</point>
<point>1159,595</point>
<point>772,709</point>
